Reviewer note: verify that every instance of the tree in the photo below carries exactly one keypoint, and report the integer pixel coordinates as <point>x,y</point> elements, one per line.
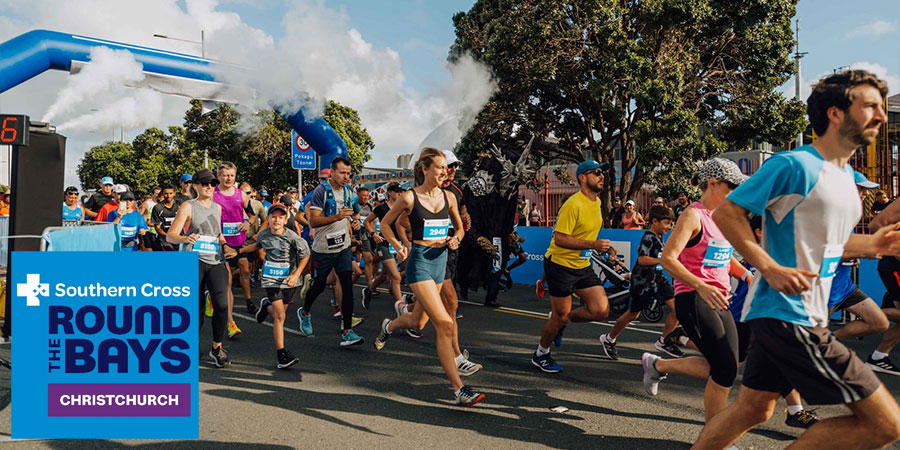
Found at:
<point>113,159</point>
<point>657,84</point>
<point>345,121</point>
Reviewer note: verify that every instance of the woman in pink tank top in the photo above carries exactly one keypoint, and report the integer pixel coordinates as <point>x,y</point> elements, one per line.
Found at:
<point>700,261</point>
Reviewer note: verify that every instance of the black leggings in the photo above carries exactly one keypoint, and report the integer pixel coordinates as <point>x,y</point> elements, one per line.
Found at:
<point>214,278</point>
<point>346,280</point>
<point>713,332</point>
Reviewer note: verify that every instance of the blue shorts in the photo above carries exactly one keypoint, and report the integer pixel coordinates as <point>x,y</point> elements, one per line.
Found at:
<point>426,263</point>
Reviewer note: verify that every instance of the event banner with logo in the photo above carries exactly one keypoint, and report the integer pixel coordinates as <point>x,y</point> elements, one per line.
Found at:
<point>105,345</point>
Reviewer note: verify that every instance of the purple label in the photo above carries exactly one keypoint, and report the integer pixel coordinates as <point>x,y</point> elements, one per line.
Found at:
<point>119,400</point>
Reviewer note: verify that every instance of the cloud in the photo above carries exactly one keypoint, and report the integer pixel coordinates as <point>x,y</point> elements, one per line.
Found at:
<point>874,28</point>
<point>893,80</point>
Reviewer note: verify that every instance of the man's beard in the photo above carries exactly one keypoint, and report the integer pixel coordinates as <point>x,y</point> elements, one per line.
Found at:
<point>854,132</point>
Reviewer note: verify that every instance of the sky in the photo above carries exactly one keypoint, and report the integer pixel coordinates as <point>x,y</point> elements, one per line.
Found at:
<point>387,58</point>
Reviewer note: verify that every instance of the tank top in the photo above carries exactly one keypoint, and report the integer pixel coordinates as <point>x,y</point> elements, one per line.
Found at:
<point>232,216</point>
<point>426,225</point>
<point>628,224</point>
<point>205,222</point>
<point>710,258</point>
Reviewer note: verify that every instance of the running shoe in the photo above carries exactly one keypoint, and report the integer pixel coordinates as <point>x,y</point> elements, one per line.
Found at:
<point>209,308</point>
<point>675,336</point>
<point>400,308</point>
<point>233,330</point>
<point>251,307</point>
<point>263,310</point>
<point>307,283</point>
<point>492,304</point>
<point>803,419</point>
<point>337,313</point>
<point>557,341</point>
<point>354,321</point>
<point>351,338</point>
<point>652,377</point>
<point>306,328</point>
<point>383,335</point>
<point>883,365</point>
<point>467,397</point>
<point>458,315</point>
<point>465,354</point>
<point>545,363</point>
<point>219,356</point>
<point>669,349</point>
<point>286,359</point>
<point>367,297</point>
<point>333,302</point>
<point>409,299</point>
<point>415,334</point>
<point>467,368</point>
<point>609,348</point>
<point>539,288</point>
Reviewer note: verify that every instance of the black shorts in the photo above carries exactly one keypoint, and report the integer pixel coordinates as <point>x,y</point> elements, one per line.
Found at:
<point>322,263</point>
<point>853,298</point>
<point>640,301</point>
<point>367,245</point>
<point>744,337</point>
<point>285,295</point>
<point>785,356</point>
<point>233,262</point>
<point>515,249</point>
<point>452,257</point>
<point>564,281</point>
<point>383,252</point>
<point>890,276</point>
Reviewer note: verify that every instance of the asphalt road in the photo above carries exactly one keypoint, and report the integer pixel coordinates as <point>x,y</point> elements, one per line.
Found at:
<point>356,398</point>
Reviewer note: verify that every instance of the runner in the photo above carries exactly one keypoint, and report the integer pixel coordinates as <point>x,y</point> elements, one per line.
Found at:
<point>95,202</point>
<point>330,211</point>
<point>72,211</point>
<point>648,283</point>
<point>567,264</point>
<point>103,214</point>
<point>162,217</point>
<point>236,215</point>
<point>430,212</point>
<point>699,259</point>
<point>808,202</point>
<point>131,223</point>
<point>286,255</point>
<point>365,237</point>
<point>186,182</point>
<point>516,254</point>
<point>385,251</point>
<point>203,218</point>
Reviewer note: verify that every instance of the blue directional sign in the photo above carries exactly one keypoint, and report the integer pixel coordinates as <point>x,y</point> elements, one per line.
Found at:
<point>302,155</point>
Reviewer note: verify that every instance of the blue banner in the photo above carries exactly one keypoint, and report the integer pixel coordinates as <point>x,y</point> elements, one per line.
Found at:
<point>105,347</point>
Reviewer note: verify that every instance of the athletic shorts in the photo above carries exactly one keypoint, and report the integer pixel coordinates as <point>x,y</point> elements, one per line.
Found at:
<point>515,248</point>
<point>366,245</point>
<point>232,262</point>
<point>322,263</point>
<point>284,294</point>
<point>639,302</point>
<point>744,337</point>
<point>383,252</point>
<point>855,297</point>
<point>426,263</point>
<point>452,257</point>
<point>785,356</point>
<point>564,281</point>
<point>890,276</point>
<point>714,334</point>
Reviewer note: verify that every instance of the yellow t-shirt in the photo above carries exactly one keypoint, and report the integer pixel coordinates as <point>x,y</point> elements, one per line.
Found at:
<point>580,218</point>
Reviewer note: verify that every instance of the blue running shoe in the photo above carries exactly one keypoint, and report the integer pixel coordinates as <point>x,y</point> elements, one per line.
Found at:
<point>557,341</point>
<point>351,338</point>
<point>305,323</point>
<point>545,363</point>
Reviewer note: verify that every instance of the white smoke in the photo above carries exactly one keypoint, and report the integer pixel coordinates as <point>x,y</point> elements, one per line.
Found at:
<point>143,108</point>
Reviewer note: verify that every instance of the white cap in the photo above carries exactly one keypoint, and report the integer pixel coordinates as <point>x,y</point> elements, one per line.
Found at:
<point>120,188</point>
<point>630,202</point>
<point>451,158</point>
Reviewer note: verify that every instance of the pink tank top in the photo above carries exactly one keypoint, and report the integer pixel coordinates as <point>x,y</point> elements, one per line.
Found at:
<point>628,224</point>
<point>709,259</point>
<point>232,216</point>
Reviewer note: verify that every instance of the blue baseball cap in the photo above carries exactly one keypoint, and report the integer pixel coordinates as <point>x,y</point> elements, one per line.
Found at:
<point>264,192</point>
<point>590,165</point>
<point>186,177</point>
<point>862,181</point>
<point>106,180</point>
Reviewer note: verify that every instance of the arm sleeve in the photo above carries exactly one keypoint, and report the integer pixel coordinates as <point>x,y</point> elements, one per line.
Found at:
<point>318,199</point>
<point>777,178</point>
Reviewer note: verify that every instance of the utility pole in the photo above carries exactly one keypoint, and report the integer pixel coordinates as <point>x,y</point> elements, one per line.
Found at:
<point>797,78</point>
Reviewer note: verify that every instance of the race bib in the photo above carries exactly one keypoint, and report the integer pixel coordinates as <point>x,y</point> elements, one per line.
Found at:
<point>718,253</point>
<point>586,253</point>
<point>336,239</point>
<point>207,244</point>
<point>230,228</point>
<point>169,220</point>
<point>659,266</point>
<point>831,260</point>
<point>392,249</point>
<point>276,269</point>
<point>128,232</point>
<point>436,229</point>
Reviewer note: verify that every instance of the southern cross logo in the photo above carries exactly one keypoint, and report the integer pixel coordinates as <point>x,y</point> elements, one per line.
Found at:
<point>31,288</point>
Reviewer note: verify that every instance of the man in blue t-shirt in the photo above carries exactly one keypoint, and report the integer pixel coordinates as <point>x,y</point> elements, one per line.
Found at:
<point>808,201</point>
<point>131,223</point>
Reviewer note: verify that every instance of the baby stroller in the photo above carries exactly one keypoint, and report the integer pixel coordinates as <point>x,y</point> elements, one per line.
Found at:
<point>617,282</point>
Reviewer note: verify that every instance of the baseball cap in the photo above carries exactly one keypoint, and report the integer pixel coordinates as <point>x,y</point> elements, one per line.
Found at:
<point>186,178</point>
<point>590,165</point>
<point>862,181</point>
<point>278,206</point>
<point>286,200</point>
<point>120,189</point>
<point>292,189</point>
<point>721,169</point>
<point>106,180</point>
<point>263,192</point>
<point>630,202</point>
<point>324,173</point>
<point>450,157</point>
<point>205,176</point>
<point>395,188</point>
<point>127,195</point>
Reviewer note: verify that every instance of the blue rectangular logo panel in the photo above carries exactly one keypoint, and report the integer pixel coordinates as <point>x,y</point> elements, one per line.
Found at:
<point>302,155</point>
<point>105,345</point>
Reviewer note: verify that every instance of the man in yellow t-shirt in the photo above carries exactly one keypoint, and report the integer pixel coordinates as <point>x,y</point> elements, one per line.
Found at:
<point>567,263</point>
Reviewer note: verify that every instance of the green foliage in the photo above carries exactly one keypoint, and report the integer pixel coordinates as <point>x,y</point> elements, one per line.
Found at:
<point>680,80</point>
<point>345,121</point>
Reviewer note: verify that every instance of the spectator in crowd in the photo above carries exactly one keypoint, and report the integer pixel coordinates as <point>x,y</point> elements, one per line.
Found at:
<point>683,202</point>
<point>616,214</point>
<point>522,211</point>
<point>534,217</point>
<point>658,201</point>
<point>881,201</point>
<point>186,181</point>
<point>631,219</point>
<point>99,199</point>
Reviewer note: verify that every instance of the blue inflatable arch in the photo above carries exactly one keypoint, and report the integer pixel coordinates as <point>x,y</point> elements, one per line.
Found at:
<point>32,53</point>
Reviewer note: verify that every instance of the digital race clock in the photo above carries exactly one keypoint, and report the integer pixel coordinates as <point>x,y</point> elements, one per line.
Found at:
<point>14,129</point>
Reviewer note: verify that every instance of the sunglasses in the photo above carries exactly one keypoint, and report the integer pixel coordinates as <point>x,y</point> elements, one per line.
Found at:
<point>597,172</point>
<point>248,192</point>
<point>107,184</point>
<point>207,184</point>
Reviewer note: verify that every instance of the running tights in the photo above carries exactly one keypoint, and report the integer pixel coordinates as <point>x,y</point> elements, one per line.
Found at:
<point>713,332</point>
<point>214,278</point>
<point>346,280</point>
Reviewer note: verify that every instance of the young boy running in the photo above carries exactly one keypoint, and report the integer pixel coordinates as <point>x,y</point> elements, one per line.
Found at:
<point>286,255</point>
<point>647,283</point>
